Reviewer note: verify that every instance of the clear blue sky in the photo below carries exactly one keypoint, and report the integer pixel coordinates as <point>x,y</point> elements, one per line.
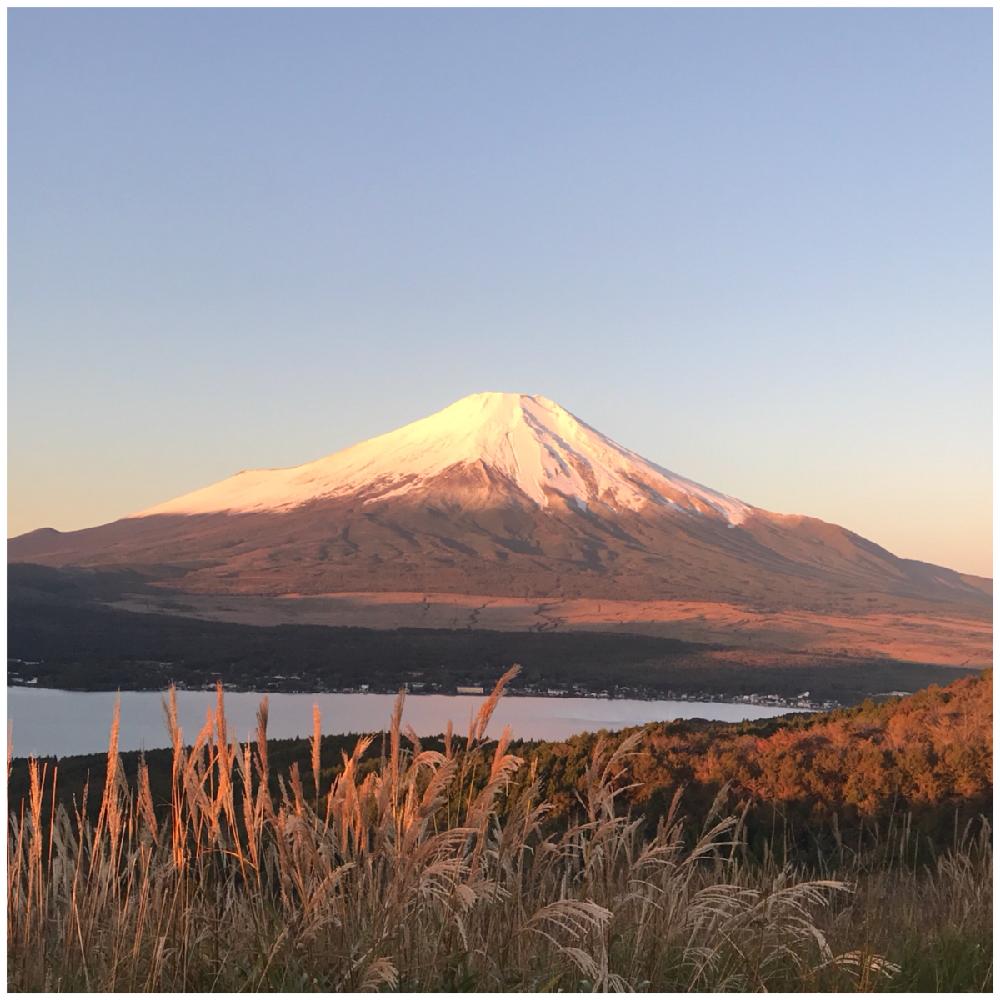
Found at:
<point>755,246</point>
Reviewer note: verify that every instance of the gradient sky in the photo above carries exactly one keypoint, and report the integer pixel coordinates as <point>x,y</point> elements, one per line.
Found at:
<point>755,246</point>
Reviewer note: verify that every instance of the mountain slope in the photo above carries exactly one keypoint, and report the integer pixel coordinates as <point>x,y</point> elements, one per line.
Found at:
<point>499,494</point>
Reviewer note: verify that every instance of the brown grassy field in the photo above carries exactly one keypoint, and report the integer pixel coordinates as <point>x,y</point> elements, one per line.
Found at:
<point>427,871</point>
<point>933,636</point>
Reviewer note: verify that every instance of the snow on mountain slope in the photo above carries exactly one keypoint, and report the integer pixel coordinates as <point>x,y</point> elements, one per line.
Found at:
<point>531,442</point>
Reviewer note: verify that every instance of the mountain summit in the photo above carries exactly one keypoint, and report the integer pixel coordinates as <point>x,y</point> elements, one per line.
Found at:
<point>529,443</point>
<point>500,494</point>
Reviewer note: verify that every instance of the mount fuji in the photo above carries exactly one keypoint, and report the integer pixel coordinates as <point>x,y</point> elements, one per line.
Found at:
<point>507,495</point>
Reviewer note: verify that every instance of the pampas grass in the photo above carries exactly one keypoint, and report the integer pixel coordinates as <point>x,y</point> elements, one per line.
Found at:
<point>424,873</point>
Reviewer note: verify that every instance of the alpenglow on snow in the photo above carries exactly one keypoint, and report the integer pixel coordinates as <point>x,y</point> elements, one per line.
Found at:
<point>530,441</point>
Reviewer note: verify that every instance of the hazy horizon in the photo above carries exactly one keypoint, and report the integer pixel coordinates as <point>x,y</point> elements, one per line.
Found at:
<point>755,247</point>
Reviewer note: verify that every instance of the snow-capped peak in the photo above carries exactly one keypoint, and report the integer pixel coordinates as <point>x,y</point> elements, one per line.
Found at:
<point>530,441</point>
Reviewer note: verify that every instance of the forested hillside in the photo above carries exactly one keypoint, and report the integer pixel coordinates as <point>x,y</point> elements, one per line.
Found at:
<point>929,754</point>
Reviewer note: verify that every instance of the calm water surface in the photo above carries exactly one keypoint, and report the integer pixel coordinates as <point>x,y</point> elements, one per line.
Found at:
<point>61,723</point>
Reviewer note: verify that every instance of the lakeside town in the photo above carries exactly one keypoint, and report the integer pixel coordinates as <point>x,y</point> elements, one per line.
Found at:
<point>20,674</point>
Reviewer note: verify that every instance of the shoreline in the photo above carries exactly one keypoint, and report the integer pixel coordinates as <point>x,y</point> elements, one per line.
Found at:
<point>760,700</point>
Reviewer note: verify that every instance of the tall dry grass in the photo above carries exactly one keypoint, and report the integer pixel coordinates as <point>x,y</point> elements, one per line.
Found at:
<point>423,873</point>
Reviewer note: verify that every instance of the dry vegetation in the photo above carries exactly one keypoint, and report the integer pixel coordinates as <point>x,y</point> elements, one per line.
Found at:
<point>435,871</point>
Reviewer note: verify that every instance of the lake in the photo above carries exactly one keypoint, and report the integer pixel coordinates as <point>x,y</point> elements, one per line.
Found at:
<point>61,723</point>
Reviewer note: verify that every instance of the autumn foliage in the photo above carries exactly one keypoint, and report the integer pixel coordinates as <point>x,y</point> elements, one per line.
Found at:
<point>928,755</point>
